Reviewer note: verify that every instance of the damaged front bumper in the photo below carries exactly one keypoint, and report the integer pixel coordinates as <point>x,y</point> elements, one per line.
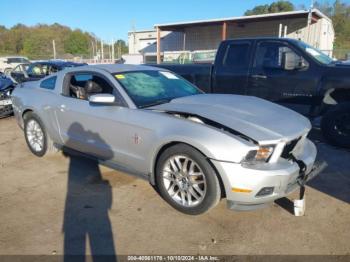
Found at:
<point>5,106</point>
<point>252,187</point>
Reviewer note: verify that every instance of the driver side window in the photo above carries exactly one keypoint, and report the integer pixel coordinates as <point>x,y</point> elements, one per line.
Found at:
<point>83,85</point>
<point>269,55</point>
<point>17,69</point>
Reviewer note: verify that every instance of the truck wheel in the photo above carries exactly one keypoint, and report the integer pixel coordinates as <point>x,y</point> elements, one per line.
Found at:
<point>36,137</point>
<point>186,180</point>
<point>335,125</point>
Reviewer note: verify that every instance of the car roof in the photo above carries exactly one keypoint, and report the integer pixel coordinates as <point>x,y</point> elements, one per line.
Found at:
<point>58,63</point>
<point>116,68</point>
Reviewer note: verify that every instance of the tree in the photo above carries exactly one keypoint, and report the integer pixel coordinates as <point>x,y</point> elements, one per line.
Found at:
<point>36,41</point>
<point>77,43</point>
<point>339,12</point>
<point>324,7</point>
<point>258,10</point>
<point>275,7</point>
<point>281,6</point>
<point>121,47</point>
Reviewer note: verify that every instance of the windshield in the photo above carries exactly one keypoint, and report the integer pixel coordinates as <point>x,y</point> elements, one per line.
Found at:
<point>148,88</point>
<point>315,53</point>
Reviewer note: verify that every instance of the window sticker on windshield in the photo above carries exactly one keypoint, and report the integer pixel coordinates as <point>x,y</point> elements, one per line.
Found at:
<point>169,75</point>
<point>120,76</point>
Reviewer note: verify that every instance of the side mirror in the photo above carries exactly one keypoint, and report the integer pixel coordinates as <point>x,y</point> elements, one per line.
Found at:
<point>102,99</point>
<point>291,61</point>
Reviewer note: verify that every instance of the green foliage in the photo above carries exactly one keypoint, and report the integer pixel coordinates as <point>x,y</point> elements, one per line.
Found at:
<point>339,12</point>
<point>275,7</point>
<point>35,42</point>
<point>281,6</point>
<point>120,47</point>
<point>77,43</point>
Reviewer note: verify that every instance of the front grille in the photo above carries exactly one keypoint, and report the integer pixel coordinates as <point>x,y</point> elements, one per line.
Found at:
<point>6,110</point>
<point>3,95</point>
<point>289,147</point>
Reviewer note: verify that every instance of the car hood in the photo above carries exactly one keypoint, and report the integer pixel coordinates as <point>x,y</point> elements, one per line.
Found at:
<point>256,118</point>
<point>342,63</point>
<point>5,83</point>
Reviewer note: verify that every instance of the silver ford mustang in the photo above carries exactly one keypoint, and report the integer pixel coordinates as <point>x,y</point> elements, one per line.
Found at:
<point>195,148</point>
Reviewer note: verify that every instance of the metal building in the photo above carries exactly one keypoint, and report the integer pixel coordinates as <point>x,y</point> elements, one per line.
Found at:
<point>138,40</point>
<point>312,27</point>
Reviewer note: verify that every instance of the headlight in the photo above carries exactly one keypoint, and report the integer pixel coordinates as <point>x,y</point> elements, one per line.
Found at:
<point>262,154</point>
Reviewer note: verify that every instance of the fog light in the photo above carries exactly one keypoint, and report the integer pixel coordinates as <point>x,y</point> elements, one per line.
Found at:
<point>265,191</point>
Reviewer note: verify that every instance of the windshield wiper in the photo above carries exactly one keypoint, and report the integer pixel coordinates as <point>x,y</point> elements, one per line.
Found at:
<point>157,102</point>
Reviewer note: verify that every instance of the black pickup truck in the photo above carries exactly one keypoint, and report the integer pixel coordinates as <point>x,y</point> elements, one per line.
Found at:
<point>282,70</point>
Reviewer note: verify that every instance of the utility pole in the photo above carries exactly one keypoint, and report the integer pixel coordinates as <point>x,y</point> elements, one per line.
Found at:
<point>96,45</point>
<point>93,50</point>
<point>133,29</point>
<point>110,51</point>
<point>102,50</point>
<point>113,50</point>
<point>158,46</point>
<point>309,20</point>
<point>54,49</point>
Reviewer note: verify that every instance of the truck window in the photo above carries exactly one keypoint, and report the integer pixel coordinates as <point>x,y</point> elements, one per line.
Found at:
<point>237,55</point>
<point>269,55</point>
<point>35,70</point>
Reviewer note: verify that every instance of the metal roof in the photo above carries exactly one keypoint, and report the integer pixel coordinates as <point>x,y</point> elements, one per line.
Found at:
<point>245,18</point>
<point>141,31</point>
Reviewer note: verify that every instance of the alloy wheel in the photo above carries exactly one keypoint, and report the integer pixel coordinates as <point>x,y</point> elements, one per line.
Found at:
<point>35,135</point>
<point>184,181</point>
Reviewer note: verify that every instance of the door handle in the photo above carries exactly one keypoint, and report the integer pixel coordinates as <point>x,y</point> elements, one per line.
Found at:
<point>259,76</point>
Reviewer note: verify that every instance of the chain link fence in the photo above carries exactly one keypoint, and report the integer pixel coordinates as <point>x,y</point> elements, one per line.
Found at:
<point>170,57</point>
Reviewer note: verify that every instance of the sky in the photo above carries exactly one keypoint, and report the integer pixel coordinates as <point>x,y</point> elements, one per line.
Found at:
<point>110,19</point>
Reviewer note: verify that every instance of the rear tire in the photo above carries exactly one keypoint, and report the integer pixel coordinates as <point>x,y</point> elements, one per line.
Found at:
<point>335,125</point>
<point>38,141</point>
<point>186,180</point>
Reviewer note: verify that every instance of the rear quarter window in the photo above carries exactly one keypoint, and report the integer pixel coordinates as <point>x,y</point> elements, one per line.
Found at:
<point>237,55</point>
<point>49,83</point>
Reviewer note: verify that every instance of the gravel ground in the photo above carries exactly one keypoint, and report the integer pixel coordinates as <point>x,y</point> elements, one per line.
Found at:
<point>70,205</point>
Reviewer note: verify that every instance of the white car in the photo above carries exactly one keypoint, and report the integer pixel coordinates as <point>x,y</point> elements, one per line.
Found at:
<point>7,63</point>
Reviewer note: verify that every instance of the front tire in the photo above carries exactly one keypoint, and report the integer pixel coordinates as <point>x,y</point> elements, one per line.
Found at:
<point>186,180</point>
<point>335,125</point>
<point>38,141</point>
